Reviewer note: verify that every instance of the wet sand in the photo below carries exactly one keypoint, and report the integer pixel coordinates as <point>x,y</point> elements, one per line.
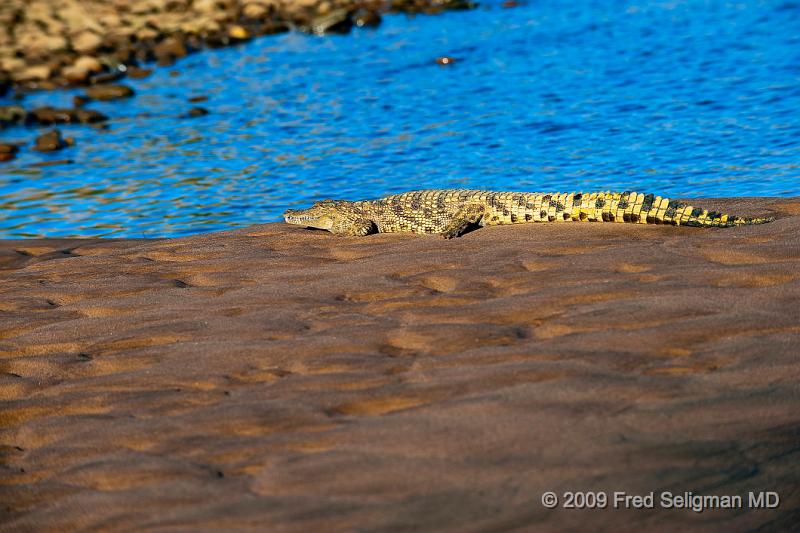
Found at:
<point>284,379</point>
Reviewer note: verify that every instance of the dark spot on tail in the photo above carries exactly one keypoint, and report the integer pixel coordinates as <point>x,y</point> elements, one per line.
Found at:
<point>543,213</point>
<point>577,199</point>
<point>599,203</point>
<point>696,212</point>
<point>623,203</point>
<point>528,217</point>
<point>513,217</point>
<point>647,204</point>
<point>674,204</point>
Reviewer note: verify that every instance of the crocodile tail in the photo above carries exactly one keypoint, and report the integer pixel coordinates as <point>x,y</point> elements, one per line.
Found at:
<point>686,215</point>
<point>650,209</point>
<point>749,221</point>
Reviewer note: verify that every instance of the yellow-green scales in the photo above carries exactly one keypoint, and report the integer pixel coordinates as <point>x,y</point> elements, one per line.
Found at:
<point>452,212</point>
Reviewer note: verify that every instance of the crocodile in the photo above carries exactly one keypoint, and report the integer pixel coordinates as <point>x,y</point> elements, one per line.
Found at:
<point>453,212</point>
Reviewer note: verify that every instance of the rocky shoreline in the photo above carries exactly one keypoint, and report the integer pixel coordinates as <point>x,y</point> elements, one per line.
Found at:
<point>282,379</point>
<point>96,44</point>
<point>45,45</point>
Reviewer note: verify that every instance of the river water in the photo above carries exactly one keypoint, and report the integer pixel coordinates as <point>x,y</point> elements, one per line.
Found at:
<point>677,98</point>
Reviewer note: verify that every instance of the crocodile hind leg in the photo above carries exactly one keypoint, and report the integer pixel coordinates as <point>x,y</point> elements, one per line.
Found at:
<point>463,221</point>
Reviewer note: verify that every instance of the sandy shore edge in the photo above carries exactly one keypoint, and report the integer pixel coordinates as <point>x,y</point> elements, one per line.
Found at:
<point>282,378</point>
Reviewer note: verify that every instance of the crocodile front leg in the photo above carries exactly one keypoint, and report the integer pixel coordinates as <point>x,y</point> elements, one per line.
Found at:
<point>358,227</point>
<point>467,216</point>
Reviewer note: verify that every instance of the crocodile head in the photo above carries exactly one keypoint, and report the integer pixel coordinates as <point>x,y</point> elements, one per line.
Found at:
<point>337,216</point>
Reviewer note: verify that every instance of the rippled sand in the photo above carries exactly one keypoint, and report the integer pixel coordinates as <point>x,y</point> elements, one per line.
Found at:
<point>281,378</point>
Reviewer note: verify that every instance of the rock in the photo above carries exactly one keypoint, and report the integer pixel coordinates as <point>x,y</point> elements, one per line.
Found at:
<point>50,115</point>
<point>199,98</point>
<point>12,114</point>
<point>33,73</point>
<point>196,112</point>
<point>123,53</point>
<point>446,60</point>
<point>337,21</point>
<point>8,151</point>
<point>11,64</point>
<point>5,83</point>
<point>143,52</point>
<point>206,6</point>
<point>136,72</point>
<point>51,141</point>
<point>216,39</point>
<point>271,27</point>
<point>79,101</point>
<point>459,4</point>
<point>89,63</point>
<point>86,42</point>
<point>109,92</point>
<point>38,45</point>
<point>147,34</point>
<point>89,116</point>
<point>170,49</point>
<point>238,33</point>
<point>52,163</point>
<point>75,74</point>
<point>324,7</point>
<point>255,11</point>
<point>178,6</point>
<point>141,7</point>
<point>366,17</point>
<point>106,77</point>
<point>54,43</point>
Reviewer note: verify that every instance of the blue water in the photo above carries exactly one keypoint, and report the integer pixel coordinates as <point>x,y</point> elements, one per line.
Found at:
<point>679,98</point>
